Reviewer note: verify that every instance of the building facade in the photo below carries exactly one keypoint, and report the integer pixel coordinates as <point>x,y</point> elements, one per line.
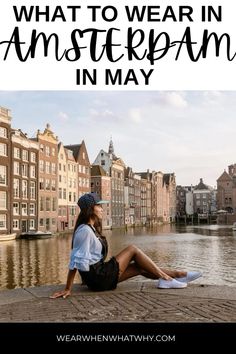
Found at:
<point>83,167</point>
<point>5,171</point>
<point>24,199</point>
<point>48,185</point>
<point>101,184</point>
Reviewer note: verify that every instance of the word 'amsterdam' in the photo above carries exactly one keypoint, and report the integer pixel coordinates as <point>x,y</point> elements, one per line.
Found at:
<point>140,45</point>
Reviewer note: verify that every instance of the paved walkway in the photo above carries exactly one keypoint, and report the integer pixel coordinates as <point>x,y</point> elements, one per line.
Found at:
<point>130,302</point>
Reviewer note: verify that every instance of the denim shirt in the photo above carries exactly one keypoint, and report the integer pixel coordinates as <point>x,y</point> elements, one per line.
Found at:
<point>87,249</point>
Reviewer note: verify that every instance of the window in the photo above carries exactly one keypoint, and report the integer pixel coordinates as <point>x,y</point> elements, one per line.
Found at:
<point>41,147</point>
<point>32,171</point>
<point>32,224</point>
<point>60,193</point>
<point>47,151</point>
<point>54,204</point>
<point>23,209</point>
<point>16,188</point>
<point>41,222</point>
<point>70,182</point>
<point>53,151</point>
<point>3,132</point>
<point>24,189</point>
<point>41,166</point>
<point>47,167</point>
<point>53,168</point>
<point>53,185</point>
<point>64,193</point>
<point>3,149</point>
<point>15,224</point>
<point>33,157</point>
<point>3,200</point>
<point>47,184</point>
<point>32,190</point>
<point>3,222</point>
<point>16,210</point>
<point>16,153</point>
<point>53,222</point>
<point>41,204</point>
<point>47,204</point>
<point>41,183</point>
<point>103,162</point>
<point>24,169</point>
<point>3,175</point>
<point>16,168</point>
<point>25,155</point>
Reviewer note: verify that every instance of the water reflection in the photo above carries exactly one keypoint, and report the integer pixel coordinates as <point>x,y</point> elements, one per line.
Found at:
<point>209,248</point>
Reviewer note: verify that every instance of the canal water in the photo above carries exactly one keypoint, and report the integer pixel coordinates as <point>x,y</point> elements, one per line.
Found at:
<point>209,248</point>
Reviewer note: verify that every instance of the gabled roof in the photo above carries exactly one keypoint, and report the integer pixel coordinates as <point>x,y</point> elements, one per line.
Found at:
<point>167,178</point>
<point>75,148</point>
<point>128,172</point>
<point>97,170</point>
<point>201,185</point>
<point>224,177</point>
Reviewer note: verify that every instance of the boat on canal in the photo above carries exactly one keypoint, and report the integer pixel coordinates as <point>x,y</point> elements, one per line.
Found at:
<point>31,235</point>
<point>7,237</point>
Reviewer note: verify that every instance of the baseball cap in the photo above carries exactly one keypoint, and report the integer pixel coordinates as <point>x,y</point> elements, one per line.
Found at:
<point>90,199</point>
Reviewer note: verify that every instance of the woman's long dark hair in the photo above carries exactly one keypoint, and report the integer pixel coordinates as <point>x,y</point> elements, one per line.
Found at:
<point>84,217</point>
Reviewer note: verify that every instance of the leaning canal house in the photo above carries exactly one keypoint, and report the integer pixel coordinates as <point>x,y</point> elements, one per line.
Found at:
<point>24,196</point>
<point>5,173</point>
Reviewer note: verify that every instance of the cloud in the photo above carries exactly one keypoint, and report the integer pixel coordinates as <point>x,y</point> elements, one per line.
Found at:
<point>172,99</point>
<point>135,115</point>
<point>99,103</point>
<point>63,117</point>
<point>212,97</point>
<point>101,113</point>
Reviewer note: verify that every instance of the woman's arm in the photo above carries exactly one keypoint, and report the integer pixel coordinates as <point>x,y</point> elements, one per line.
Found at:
<point>67,291</point>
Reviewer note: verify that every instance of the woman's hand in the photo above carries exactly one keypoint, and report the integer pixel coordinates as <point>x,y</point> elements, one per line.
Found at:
<point>63,293</point>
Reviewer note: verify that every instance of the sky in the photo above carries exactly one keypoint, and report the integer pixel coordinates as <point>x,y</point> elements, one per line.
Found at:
<point>190,133</point>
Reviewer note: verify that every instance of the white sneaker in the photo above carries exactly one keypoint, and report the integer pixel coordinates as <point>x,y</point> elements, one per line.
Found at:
<point>193,275</point>
<point>170,284</point>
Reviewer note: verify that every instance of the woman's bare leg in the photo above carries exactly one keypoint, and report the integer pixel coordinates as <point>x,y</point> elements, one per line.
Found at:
<point>143,264</point>
<point>132,271</point>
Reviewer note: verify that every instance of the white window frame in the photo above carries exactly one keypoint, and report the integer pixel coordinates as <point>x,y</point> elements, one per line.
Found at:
<point>25,155</point>
<point>16,153</point>
<point>16,208</point>
<point>24,188</point>
<point>16,188</point>
<point>3,222</point>
<point>24,209</point>
<point>3,132</point>
<point>3,149</point>
<point>3,175</point>
<point>15,224</point>
<point>16,168</point>
<point>33,157</point>
<point>32,224</point>
<point>3,200</point>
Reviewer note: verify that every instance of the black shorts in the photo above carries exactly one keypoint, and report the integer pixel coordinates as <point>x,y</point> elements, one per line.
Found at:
<point>102,275</point>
